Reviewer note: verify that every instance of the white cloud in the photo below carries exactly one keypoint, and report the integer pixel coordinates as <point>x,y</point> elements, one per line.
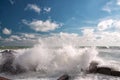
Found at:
<point>107,7</point>
<point>89,38</point>
<point>112,5</point>
<point>12,2</point>
<point>33,7</point>
<point>47,9</point>
<point>29,35</point>
<point>6,31</point>
<point>59,39</point>
<point>23,39</point>
<point>106,33</point>
<point>109,24</point>
<point>116,24</point>
<point>105,24</point>
<point>62,39</point>
<point>23,36</point>
<point>43,26</point>
<point>15,37</point>
<point>118,2</point>
<point>88,31</point>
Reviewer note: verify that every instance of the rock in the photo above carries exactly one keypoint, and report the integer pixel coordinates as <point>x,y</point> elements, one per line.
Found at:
<point>8,57</point>
<point>64,77</point>
<point>115,73</point>
<point>103,70</point>
<point>19,69</point>
<point>2,78</point>
<point>94,68</point>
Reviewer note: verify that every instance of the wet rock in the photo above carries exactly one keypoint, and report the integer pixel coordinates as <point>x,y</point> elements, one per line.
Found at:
<point>8,57</point>
<point>2,78</point>
<point>94,68</point>
<point>19,69</point>
<point>64,77</point>
<point>103,70</point>
<point>7,66</point>
<point>115,73</point>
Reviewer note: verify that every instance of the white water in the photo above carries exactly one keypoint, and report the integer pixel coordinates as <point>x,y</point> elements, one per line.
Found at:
<point>66,59</point>
<point>50,62</point>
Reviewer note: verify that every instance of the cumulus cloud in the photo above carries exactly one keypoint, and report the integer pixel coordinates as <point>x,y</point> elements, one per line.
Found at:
<point>29,35</point>
<point>47,9</point>
<point>43,26</point>
<point>33,7</point>
<point>88,31</point>
<point>23,36</point>
<point>103,38</point>
<point>112,5</point>
<point>59,39</point>
<point>106,33</point>
<point>22,39</point>
<point>105,24</point>
<point>6,31</point>
<point>62,39</point>
<point>116,24</point>
<point>13,38</point>
<point>109,24</point>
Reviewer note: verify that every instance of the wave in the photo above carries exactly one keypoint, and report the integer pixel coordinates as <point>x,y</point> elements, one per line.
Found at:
<point>43,60</point>
<point>66,59</point>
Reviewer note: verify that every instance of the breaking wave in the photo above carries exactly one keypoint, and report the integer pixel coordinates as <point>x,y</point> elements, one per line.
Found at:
<point>53,57</point>
<point>65,59</point>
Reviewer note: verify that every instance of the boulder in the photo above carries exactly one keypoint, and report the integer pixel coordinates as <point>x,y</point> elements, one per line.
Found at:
<point>8,57</point>
<point>104,70</point>
<point>115,73</point>
<point>3,78</point>
<point>94,68</point>
<point>64,77</point>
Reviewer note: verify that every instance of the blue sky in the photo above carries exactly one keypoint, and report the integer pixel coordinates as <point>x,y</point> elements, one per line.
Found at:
<point>19,18</point>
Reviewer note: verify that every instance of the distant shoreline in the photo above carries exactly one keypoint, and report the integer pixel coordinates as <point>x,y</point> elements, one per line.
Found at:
<point>14,47</point>
<point>23,47</point>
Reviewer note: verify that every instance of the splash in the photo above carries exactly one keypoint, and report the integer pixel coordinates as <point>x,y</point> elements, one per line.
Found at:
<point>65,59</point>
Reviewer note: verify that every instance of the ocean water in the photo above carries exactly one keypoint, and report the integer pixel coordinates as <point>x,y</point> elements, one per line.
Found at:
<point>50,63</point>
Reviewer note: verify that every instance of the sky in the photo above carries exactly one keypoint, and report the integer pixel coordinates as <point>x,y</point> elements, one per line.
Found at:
<point>84,22</point>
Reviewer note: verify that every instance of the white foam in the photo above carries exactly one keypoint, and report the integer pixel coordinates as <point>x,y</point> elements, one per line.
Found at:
<point>54,60</point>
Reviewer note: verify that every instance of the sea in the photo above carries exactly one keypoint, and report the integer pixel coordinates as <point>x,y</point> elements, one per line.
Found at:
<point>52,62</point>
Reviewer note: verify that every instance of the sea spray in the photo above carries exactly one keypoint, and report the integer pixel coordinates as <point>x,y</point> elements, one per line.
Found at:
<point>58,61</point>
<point>65,59</point>
<point>1,59</point>
<point>33,58</point>
<point>88,55</point>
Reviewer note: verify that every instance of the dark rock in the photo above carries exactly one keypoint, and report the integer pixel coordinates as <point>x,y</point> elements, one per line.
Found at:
<point>103,70</point>
<point>64,77</point>
<point>8,57</point>
<point>115,73</point>
<point>7,65</point>
<point>19,69</point>
<point>94,68</point>
<point>2,78</point>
